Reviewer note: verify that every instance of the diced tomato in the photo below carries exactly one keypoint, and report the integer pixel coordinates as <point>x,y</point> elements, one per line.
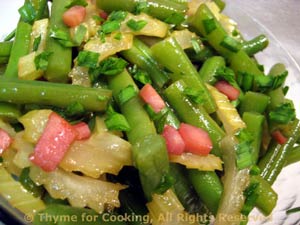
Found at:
<point>5,140</point>
<point>174,142</point>
<point>150,96</point>
<point>279,137</point>
<point>103,15</point>
<point>197,140</point>
<point>74,16</point>
<point>227,89</point>
<point>54,142</point>
<point>83,131</point>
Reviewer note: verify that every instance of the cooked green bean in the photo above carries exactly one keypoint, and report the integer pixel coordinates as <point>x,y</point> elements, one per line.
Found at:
<point>40,7</point>
<point>195,115</point>
<point>9,111</point>
<point>141,56</point>
<point>208,186</point>
<point>254,102</point>
<point>216,35</point>
<point>133,110</point>
<point>60,60</point>
<point>149,149</point>
<point>255,45</point>
<point>47,93</point>
<point>273,162</point>
<point>209,68</point>
<point>161,9</point>
<point>170,54</point>
<point>20,48</point>
<point>293,156</point>
<point>10,36</point>
<point>5,48</point>
<point>254,122</point>
<point>185,191</point>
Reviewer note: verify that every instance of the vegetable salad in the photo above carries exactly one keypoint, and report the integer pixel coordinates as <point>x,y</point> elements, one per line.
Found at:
<point>140,112</point>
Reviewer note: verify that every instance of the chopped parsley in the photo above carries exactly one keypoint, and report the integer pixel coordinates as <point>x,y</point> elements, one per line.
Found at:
<point>110,66</point>
<point>141,6</point>
<point>231,44</point>
<point>110,26</point>
<point>126,94</point>
<point>116,121</point>
<point>136,25</point>
<point>88,59</point>
<point>209,25</point>
<point>194,95</point>
<point>283,113</point>
<point>244,149</point>
<point>27,12</point>
<point>41,60</point>
<point>62,37</point>
<point>117,16</point>
<point>140,75</point>
<point>175,18</point>
<point>36,43</point>
<point>80,34</point>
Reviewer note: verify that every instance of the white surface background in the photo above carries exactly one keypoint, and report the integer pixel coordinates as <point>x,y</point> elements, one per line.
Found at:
<point>281,17</point>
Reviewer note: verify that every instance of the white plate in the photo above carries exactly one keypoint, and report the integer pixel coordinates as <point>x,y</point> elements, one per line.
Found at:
<point>287,184</point>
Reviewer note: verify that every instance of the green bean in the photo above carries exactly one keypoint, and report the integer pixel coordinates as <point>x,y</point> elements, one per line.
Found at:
<point>151,158</point>
<point>267,197</point>
<point>141,56</point>
<point>216,36</point>
<point>60,60</point>
<point>47,93</point>
<point>241,62</point>
<point>254,102</point>
<point>161,9</point>
<point>10,36</point>
<point>20,48</point>
<point>255,45</point>
<point>133,110</point>
<point>40,7</point>
<point>208,186</point>
<point>169,53</point>
<point>5,48</point>
<point>209,68</point>
<point>293,156</point>
<point>194,115</point>
<point>238,59</point>
<point>180,1</point>
<point>149,148</point>
<point>273,162</point>
<point>9,111</point>
<point>185,191</point>
<point>262,196</point>
<point>200,56</point>
<point>254,122</point>
<point>277,96</point>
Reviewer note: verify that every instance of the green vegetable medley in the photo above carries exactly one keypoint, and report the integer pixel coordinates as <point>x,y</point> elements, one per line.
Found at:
<point>140,112</point>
